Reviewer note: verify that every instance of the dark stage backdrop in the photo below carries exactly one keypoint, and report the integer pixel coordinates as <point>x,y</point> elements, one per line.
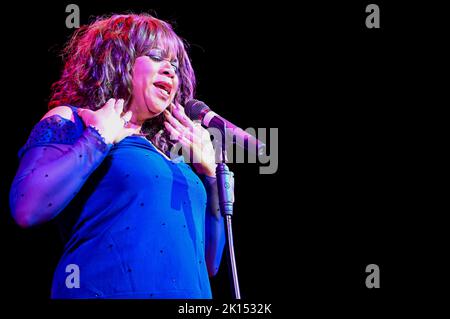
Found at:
<point>346,193</point>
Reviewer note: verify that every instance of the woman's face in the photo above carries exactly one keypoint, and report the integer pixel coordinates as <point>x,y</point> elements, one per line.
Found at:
<point>155,83</point>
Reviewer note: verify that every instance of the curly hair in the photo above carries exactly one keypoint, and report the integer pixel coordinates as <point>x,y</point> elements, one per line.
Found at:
<point>98,61</point>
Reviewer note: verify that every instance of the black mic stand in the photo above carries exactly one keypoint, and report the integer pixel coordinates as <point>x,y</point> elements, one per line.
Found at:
<point>225,186</point>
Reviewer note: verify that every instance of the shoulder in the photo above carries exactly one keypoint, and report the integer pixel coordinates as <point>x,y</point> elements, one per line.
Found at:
<point>60,125</point>
<point>65,112</point>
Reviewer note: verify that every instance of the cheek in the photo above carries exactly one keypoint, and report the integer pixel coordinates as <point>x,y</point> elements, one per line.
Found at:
<point>142,70</point>
<point>177,85</point>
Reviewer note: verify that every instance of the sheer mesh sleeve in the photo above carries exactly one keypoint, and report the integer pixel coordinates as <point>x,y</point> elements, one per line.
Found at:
<point>54,164</point>
<point>214,226</point>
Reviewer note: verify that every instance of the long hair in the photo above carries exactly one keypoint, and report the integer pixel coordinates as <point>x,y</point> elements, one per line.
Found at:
<point>98,61</point>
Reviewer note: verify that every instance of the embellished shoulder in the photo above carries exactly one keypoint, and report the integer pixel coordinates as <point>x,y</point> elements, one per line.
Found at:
<point>53,129</point>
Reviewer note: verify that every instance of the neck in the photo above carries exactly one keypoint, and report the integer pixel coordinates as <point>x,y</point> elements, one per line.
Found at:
<point>134,127</point>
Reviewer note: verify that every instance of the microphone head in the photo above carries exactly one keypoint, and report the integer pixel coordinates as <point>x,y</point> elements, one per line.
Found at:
<point>195,108</point>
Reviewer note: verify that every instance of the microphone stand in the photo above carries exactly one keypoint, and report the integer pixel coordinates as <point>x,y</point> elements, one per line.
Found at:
<point>225,186</point>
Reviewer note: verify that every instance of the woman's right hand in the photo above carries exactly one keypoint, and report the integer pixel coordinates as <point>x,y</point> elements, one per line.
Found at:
<point>108,120</point>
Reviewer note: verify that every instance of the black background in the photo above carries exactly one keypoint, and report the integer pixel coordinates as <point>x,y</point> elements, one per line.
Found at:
<point>349,106</point>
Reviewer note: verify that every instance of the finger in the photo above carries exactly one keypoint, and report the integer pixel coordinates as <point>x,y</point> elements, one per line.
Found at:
<point>185,142</point>
<point>176,134</point>
<point>196,131</point>
<point>181,110</point>
<point>177,125</point>
<point>80,113</point>
<point>179,106</point>
<point>186,119</point>
<point>118,107</point>
<point>182,117</point>
<point>110,104</point>
<point>83,112</point>
<point>127,116</point>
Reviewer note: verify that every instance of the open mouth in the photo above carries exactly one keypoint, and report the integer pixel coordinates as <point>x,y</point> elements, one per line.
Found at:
<point>164,87</point>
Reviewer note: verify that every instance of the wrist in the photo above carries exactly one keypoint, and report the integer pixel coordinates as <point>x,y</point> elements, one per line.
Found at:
<point>100,133</point>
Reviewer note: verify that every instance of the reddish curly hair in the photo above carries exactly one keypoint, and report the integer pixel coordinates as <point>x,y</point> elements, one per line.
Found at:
<point>98,61</point>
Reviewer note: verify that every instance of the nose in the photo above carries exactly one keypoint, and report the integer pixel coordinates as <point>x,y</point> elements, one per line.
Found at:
<point>167,69</point>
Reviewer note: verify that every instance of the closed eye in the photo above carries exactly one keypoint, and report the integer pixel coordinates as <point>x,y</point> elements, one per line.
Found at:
<point>157,56</point>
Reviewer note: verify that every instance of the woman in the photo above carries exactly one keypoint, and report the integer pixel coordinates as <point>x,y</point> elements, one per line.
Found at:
<point>136,223</point>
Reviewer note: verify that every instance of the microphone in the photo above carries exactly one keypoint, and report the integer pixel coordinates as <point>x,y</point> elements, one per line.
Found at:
<point>198,110</point>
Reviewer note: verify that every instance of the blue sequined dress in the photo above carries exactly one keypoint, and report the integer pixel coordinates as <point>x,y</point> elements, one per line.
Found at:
<point>135,223</point>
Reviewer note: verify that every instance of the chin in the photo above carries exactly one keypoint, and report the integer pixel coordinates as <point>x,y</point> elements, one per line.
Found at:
<point>157,107</point>
<point>162,108</point>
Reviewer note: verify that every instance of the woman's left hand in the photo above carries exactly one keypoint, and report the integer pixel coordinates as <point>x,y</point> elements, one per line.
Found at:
<point>194,139</point>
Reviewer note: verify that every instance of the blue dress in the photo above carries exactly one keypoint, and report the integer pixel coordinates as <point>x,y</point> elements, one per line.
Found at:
<point>133,221</point>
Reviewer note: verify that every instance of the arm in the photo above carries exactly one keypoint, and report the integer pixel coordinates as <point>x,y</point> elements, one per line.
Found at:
<point>51,172</point>
<point>214,227</point>
<point>203,161</point>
